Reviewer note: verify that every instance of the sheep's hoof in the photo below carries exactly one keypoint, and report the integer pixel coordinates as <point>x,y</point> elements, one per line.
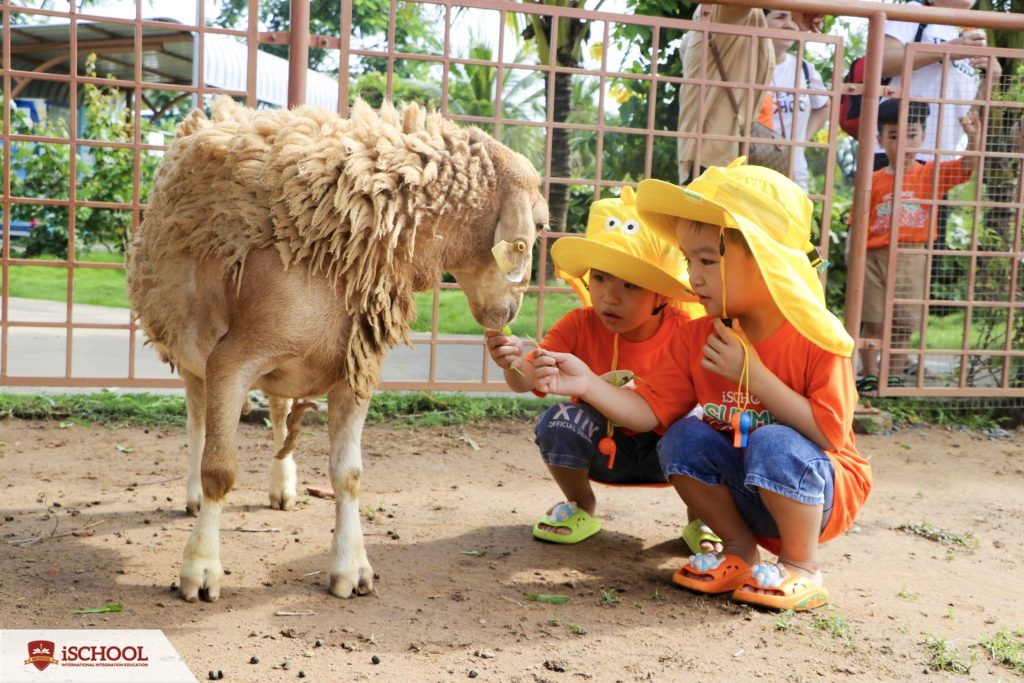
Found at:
<point>282,501</point>
<point>343,585</point>
<point>200,580</point>
<point>192,507</point>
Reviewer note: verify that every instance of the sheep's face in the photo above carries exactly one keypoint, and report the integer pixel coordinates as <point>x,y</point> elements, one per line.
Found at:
<point>497,279</point>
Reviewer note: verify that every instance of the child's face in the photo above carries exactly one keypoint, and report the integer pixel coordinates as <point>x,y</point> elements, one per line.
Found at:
<point>889,139</point>
<point>781,19</point>
<point>744,285</point>
<point>623,307</point>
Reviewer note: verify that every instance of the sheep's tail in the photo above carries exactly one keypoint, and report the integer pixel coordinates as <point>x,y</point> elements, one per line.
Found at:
<point>293,423</point>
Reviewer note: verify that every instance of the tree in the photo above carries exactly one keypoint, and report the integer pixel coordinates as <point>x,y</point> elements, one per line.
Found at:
<point>568,52</point>
<point>369,23</point>
<point>103,174</point>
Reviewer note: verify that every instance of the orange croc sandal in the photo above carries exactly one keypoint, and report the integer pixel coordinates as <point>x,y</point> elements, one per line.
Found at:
<point>727,573</point>
<point>792,592</point>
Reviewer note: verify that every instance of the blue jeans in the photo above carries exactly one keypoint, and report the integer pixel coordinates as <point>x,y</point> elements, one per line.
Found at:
<point>568,433</point>
<point>777,458</point>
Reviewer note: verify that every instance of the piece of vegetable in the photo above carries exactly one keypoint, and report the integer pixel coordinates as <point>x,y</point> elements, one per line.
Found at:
<point>549,599</point>
<point>111,607</point>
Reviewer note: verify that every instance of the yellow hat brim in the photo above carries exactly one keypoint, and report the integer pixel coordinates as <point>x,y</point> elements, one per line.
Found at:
<point>793,282</point>
<point>577,255</point>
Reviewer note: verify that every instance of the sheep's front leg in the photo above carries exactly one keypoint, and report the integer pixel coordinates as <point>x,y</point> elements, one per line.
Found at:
<point>282,470</point>
<point>229,374</point>
<point>350,570</point>
<point>195,402</point>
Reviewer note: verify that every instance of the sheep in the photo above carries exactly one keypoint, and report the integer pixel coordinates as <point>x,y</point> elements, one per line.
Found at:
<point>280,252</point>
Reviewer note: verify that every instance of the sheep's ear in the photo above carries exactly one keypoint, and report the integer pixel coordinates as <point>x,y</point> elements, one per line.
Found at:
<point>513,237</point>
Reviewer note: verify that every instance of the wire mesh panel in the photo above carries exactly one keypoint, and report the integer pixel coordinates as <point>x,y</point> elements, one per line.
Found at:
<point>592,99</point>
<point>954,322</point>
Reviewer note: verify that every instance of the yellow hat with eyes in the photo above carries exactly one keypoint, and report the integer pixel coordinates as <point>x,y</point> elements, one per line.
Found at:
<point>620,244</point>
<point>774,215</point>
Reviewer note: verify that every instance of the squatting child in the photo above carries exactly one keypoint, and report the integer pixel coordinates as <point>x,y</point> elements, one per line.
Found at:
<point>917,226</point>
<point>636,297</point>
<point>773,460</point>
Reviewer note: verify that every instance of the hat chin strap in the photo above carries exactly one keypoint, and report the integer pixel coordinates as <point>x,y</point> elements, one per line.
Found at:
<point>741,420</point>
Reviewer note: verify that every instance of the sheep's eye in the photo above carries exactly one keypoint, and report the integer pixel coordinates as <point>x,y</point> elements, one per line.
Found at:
<point>630,227</point>
<point>611,223</point>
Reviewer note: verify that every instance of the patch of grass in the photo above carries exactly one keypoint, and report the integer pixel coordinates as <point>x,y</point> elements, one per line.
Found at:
<point>1006,648</point>
<point>96,286</point>
<point>108,407</point>
<point>906,595</point>
<point>944,536</point>
<point>422,408</point>
<point>834,624</point>
<point>971,413</point>
<point>104,407</point>
<point>945,656</point>
<point>609,598</point>
<point>576,629</point>
<point>783,621</point>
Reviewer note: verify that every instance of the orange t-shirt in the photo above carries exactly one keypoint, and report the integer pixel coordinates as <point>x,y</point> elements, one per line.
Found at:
<point>581,333</point>
<point>915,219</point>
<point>824,378</point>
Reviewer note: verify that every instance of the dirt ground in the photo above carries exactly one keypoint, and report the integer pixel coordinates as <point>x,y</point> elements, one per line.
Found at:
<point>447,515</point>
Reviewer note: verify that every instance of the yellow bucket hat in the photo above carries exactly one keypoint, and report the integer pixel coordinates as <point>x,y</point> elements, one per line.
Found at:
<point>774,215</point>
<point>618,242</point>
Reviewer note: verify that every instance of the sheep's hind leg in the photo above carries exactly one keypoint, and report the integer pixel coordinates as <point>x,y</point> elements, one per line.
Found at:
<point>229,374</point>
<point>282,470</point>
<point>195,402</point>
<point>350,569</point>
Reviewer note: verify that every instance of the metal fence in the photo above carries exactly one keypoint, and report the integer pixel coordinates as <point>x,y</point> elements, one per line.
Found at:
<point>160,69</point>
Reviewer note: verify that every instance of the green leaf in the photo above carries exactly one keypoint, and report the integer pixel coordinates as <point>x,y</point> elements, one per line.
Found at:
<point>474,553</point>
<point>111,607</point>
<point>124,449</point>
<point>549,599</point>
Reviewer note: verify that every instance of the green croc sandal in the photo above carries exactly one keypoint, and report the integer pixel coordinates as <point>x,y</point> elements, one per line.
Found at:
<point>567,516</point>
<point>695,533</point>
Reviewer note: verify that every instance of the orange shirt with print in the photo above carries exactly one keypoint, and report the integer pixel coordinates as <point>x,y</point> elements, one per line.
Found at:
<point>824,378</point>
<point>915,219</point>
<point>581,333</point>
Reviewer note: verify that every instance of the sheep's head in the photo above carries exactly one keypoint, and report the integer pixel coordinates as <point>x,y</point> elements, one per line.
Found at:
<point>496,278</point>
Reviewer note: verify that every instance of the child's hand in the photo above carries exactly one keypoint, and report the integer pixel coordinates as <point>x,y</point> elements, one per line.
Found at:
<point>724,352</point>
<point>971,124</point>
<point>975,37</point>
<point>560,373</point>
<point>504,349</point>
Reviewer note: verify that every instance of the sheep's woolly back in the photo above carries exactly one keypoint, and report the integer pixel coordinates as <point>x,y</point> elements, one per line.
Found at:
<point>354,200</point>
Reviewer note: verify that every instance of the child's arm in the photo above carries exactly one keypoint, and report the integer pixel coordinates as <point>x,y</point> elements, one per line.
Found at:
<point>972,127</point>
<point>506,351</point>
<point>564,373</point>
<point>724,355</point>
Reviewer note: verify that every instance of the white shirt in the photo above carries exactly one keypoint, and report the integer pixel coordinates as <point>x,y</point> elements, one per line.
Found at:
<point>962,84</point>
<point>786,74</point>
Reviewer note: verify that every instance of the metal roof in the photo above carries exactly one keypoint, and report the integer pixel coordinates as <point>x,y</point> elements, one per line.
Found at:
<point>167,57</point>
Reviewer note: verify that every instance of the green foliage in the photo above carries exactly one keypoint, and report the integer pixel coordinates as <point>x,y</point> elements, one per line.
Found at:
<point>103,174</point>
<point>945,656</point>
<point>110,408</point>
<point>106,407</point>
<point>945,536</point>
<point>1006,648</point>
<point>369,25</point>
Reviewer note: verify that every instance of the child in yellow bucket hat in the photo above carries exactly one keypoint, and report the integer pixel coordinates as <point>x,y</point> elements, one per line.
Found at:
<point>635,294</point>
<point>773,460</point>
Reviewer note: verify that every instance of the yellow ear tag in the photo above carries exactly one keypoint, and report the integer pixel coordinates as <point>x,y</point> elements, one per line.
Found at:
<point>501,252</point>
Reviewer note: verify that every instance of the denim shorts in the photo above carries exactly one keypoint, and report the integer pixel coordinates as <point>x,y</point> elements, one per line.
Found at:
<point>777,458</point>
<point>568,433</point>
